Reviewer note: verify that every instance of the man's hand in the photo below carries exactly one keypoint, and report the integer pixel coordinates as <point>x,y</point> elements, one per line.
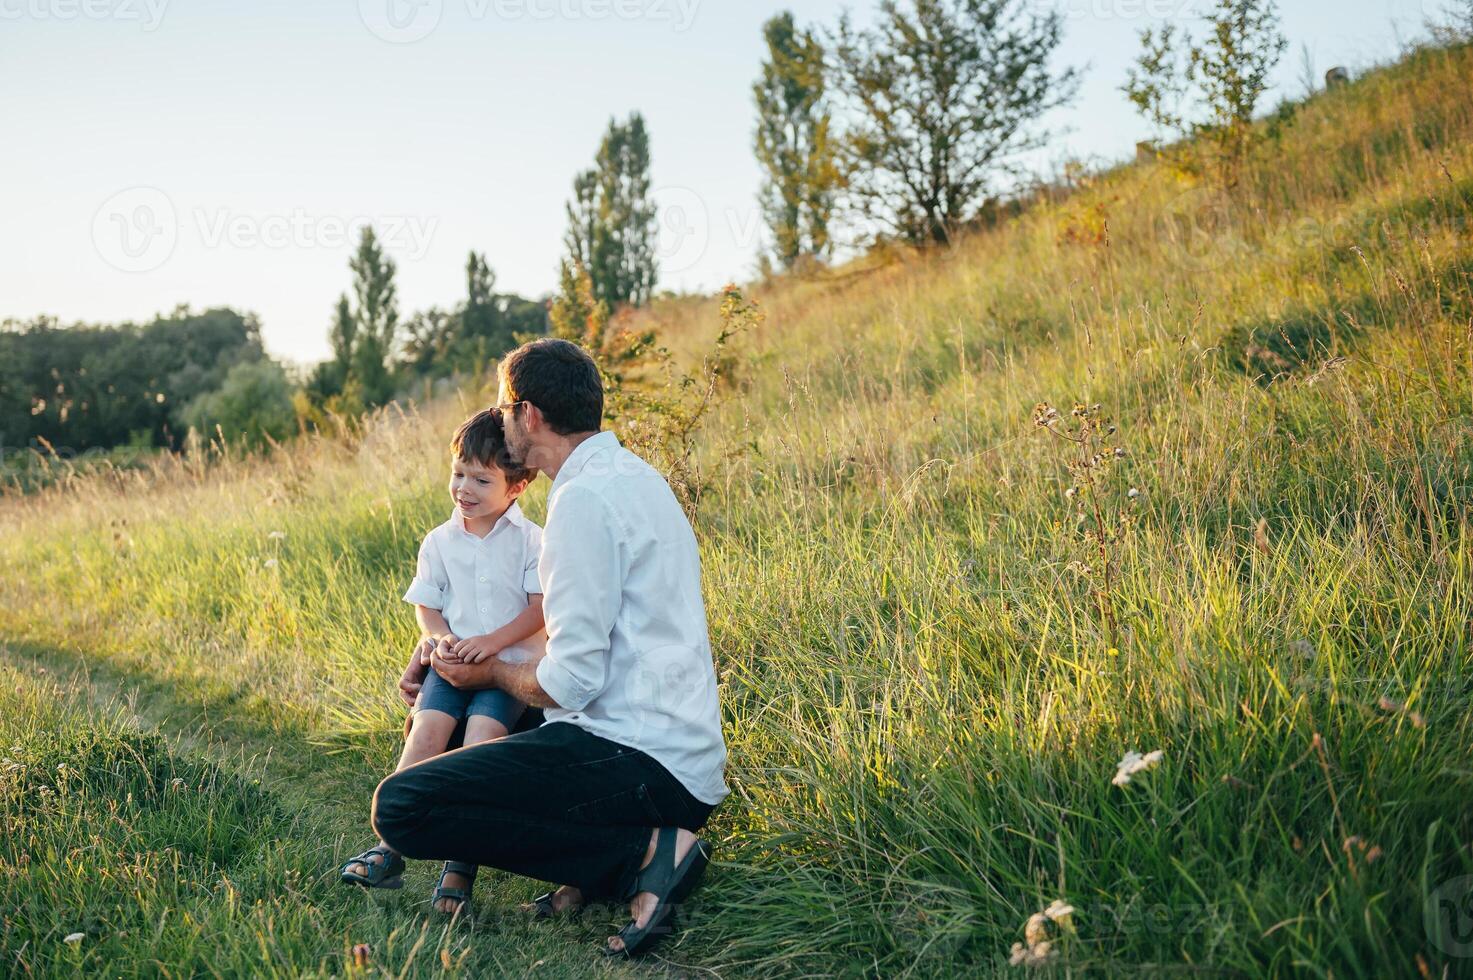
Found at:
<point>476,649</point>
<point>414,672</point>
<point>463,676</point>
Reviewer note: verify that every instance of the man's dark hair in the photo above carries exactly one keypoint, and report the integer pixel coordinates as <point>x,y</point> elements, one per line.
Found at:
<point>560,378</point>
<point>481,439</point>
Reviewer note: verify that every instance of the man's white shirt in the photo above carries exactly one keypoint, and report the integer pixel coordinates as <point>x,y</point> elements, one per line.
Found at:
<point>628,652</point>
<point>481,584</point>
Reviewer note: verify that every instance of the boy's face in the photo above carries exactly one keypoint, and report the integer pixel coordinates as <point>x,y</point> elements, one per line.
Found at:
<point>479,490</point>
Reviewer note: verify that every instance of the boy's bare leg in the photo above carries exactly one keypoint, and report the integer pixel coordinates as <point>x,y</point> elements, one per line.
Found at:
<point>478,728</point>
<point>428,736</point>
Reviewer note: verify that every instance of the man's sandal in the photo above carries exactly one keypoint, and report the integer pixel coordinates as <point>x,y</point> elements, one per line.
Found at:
<point>385,869</point>
<point>462,896</point>
<point>671,884</point>
<point>544,907</point>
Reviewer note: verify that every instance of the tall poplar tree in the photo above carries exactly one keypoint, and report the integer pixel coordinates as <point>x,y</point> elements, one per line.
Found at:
<point>612,232</point>
<point>792,142</point>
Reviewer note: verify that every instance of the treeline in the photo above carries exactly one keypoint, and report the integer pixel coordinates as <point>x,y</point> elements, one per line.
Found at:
<point>87,386</point>
<point>909,130</point>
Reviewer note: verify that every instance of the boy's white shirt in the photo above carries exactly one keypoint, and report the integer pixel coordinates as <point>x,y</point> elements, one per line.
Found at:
<point>481,584</point>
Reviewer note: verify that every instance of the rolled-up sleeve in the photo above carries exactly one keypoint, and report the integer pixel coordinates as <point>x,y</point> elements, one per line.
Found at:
<point>531,579</point>
<point>582,571</point>
<point>430,578</point>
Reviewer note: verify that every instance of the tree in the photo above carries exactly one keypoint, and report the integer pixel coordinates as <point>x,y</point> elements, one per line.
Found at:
<point>577,314</point>
<point>943,95</point>
<point>1227,73</point>
<point>376,319</point>
<point>254,403</point>
<point>92,386</point>
<point>611,218</point>
<point>792,142</point>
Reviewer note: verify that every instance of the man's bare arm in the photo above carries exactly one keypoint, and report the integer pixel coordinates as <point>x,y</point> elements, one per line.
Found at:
<point>518,680</point>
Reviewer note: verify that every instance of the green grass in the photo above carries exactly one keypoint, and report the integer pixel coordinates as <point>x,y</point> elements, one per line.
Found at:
<point>923,704</point>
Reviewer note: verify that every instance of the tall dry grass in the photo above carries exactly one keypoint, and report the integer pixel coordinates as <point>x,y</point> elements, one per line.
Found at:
<point>924,706</point>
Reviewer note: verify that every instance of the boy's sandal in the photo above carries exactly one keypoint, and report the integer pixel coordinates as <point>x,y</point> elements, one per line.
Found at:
<point>671,884</point>
<point>385,869</point>
<point>462,896</point>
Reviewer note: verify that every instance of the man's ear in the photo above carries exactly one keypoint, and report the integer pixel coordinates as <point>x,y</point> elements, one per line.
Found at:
<point>530,413</point>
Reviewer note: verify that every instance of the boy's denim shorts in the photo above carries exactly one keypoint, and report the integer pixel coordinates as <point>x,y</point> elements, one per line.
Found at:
<point>438,694</point>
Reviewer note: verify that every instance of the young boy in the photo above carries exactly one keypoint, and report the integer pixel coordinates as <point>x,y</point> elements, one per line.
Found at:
<point>476,595</point>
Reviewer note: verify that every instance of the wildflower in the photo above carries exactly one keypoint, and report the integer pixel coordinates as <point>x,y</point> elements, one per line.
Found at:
<point>271,563</point>
<point>1396,707</point>
<point>74,938</point>
<point>1119,453</point>
<point>61,767</point>
<point>1134,763</point>
<point>1038,955</point>
<point>1134,493</point>
<point>1061,913</point>
<point>1071,492</point>
<point>177,783</point>
<point>277,535</point>
<point>1039,933</point>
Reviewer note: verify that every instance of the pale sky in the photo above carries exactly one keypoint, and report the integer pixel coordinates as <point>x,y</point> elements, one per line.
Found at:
<point>160,152</point>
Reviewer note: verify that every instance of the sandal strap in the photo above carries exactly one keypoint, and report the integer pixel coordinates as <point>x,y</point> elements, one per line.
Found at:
<point>459,868</point>
<point>659,874</point>
<point>383,865</point>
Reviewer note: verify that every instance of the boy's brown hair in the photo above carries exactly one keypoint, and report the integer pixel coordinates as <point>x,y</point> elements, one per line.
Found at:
<point>481,439</point>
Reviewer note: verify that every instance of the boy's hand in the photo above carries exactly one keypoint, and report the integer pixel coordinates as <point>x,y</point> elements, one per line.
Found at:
<point>445,649</point>
<point>476,649</point>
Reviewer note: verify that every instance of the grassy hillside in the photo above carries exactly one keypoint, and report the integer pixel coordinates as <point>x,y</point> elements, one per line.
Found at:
<point>928,676</point>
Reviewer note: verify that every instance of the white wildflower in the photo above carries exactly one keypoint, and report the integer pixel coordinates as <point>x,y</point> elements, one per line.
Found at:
<point>1060,912</point>
<point>1039,955</point>
<point>1134,763</point>
<point>277,535</point>
<point>177,783</point>
<point>1134,493</point>
<point>271,563</point>
<point>74,938</point>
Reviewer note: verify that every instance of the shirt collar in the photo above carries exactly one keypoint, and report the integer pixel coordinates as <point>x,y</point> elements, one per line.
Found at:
<point>513,516</point>
<point>583,453</point>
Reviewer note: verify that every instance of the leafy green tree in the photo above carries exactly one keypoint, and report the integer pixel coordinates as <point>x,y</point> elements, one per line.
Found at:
<point>95,386</point>
<point>253,403</point>
<point>577,314</point>
<point>944,94</point>
<point>792,142</point>
<point>612,232</point>
<point>376,319</point>
<point>1227,74</point>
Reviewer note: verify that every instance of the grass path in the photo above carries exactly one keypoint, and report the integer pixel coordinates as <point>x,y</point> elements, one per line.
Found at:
<point>325,795</point>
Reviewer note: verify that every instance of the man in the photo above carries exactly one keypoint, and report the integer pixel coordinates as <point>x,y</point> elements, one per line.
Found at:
<point>606,796</point>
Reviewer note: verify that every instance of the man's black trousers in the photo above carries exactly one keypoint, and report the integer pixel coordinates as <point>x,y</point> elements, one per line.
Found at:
<point>555,803</point>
